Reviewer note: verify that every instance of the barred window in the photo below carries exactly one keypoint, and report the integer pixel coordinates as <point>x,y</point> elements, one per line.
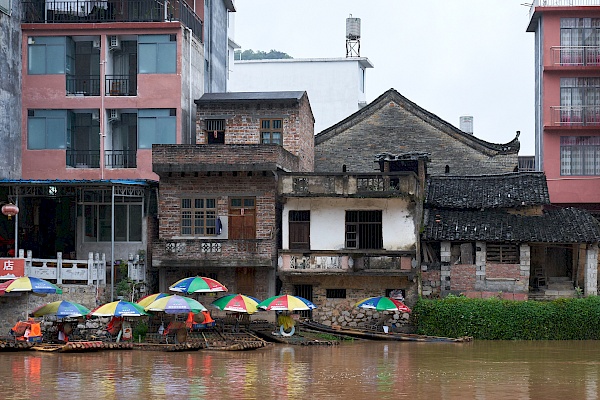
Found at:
<point>336,293</point>
<point>580,155</point>
<point>503,253</point>
<point>364,230</point>
<point>198,216</point>
<point>215,131</point>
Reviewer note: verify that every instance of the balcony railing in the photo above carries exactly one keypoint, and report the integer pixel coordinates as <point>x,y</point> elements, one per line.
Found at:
<point>303,184</point>
<point>83,85</point>
<point>83,158</point>
<point>575,115</point>
<point>120,158</point>
<point>120,85</point>
<point>321,262</point>
<point>561,3</point>
<point>575,55</point>
<point>76,11</point>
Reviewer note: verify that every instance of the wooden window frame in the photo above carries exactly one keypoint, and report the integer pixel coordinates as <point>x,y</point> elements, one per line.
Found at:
<point>214,131</point>
<point>299,226</point>
<point>502,253</point>
<point>196,219</point>
<point>270,130</point>
<point>244,212</point>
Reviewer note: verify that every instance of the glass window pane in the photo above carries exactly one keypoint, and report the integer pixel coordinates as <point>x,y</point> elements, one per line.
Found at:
<point>135,223</point>
<point>36,133</point>
<point>90,223</point>
<point>166,130</point>
<point>104,223</point>
<point>56,131</point>
<point>147,58</point>
<point>55,61</point>
<point>276,124</point>
<point>36,60</point>
<point>146,132</point>
<point>167,58</point>
<point>121,223</point>
<point>266,124</point>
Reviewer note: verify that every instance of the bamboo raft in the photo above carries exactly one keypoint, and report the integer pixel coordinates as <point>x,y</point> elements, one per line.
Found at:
<point>186,346</point>
<point>70,347</point>
<point>6,345</point>
<point>374,335</point>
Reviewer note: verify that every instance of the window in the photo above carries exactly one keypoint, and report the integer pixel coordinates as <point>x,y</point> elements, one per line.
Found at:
<point>363,230</point>
<point>199,216</point>
<point>578,36</point>
<point>215,131</point>
<point>335,293</point>
<point>242,218</point>
<point>580,155</point>
<point>580,101</point>
<point>97,216</point>
<point>502,253</point>
<point>48,129</point>
<point>271,131</point>
<point>156,126</point>
<point>299,229</point>
<point>157,54</point>
<point>48,55</point>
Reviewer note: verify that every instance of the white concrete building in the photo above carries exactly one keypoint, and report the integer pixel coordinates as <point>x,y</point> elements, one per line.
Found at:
<point>335,86</point>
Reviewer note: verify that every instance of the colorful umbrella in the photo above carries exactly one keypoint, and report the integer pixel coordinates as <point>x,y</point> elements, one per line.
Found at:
<point>147,300</point>
<point>237,302</point>
<point>197,284</point>
<point>382,303</point>
<point>119,308</point>
<point>33,285</point>
<point>176,305</point>
<point>286,302</point>
<point>62,309</point>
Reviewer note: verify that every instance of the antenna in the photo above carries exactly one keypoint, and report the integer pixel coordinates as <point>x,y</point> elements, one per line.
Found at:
<point>352,37</point>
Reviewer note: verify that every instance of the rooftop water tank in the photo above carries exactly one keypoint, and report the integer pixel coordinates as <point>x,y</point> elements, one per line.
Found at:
<point>352,28</point>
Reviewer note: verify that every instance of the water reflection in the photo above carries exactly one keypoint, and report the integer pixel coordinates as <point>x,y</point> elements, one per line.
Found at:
<point>382,370</point>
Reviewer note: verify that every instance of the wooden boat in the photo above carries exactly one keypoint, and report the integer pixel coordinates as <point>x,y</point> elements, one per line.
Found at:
<point>373,335</point>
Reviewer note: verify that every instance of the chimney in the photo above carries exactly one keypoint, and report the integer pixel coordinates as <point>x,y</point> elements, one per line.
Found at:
<point>466,124</point>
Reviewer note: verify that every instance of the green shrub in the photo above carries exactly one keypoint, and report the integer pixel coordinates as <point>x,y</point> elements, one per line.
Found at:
<point>497,319</point>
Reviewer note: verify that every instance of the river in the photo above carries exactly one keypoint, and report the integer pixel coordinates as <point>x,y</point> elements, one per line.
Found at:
<point>359,370</point>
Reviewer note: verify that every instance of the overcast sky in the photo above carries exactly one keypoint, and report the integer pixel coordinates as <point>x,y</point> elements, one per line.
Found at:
<point>451,57</point>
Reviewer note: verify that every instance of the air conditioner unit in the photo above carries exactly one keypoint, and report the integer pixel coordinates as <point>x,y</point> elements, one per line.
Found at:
<point>114,42</point>
<point>96,115</point>
<point>113,114</point>
<point>96,43</point>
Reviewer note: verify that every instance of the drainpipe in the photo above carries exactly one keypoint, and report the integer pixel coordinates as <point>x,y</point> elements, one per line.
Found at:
<point>190,100</point>
<point>102,109</point>
<point>112,244</point>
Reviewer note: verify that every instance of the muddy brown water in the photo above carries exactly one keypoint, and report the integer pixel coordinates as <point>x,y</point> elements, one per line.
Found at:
<point>358,370</point>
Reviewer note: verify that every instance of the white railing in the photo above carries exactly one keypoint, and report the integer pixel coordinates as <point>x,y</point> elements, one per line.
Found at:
<point>91,271</point>
<point>561,3</point>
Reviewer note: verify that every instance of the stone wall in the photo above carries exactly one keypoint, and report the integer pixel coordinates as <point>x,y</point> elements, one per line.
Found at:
<point>394,129</point>
<point>15,308</point>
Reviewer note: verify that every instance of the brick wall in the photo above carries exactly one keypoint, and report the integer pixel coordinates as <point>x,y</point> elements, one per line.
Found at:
<point>395,130</point>
<point>242,125</point>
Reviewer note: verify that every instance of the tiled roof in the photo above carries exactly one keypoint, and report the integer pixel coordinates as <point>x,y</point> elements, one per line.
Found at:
<point>230,97</point>
<point>512,190</point>
<point>567,225</point>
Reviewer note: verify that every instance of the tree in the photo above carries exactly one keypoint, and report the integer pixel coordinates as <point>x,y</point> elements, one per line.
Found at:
<point>260,55</point>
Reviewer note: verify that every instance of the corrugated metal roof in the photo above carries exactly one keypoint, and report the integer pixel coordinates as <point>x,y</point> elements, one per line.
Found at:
<point>75,181</point>
<point>249,96</point>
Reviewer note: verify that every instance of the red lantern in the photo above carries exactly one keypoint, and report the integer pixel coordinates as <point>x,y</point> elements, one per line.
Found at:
<point>9,210</point>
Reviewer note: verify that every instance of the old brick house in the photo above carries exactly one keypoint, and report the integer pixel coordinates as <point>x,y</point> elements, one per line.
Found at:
<point>394,124</point>
<point>489,235</point>
<point>218,209</point>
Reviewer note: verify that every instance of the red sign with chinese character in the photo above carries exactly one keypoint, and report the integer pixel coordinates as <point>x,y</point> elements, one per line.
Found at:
<point>11,268</point>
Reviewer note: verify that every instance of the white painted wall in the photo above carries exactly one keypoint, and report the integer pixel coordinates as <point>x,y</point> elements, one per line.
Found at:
<point>328,220</point>
<point>335,86</point>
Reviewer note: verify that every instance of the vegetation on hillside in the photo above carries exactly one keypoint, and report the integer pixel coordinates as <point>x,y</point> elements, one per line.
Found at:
<point>260,55</point>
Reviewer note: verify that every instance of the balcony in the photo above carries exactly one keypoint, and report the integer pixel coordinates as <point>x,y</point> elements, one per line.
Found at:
<point>575,116</point>
<point>76,11</point>
<point>214,252</point>
<point>184,158</point>
<point>120,85</point>
<point>323,262</point>
<point>83,85</point>
<point>359,185</point>
<point>575,56</point>
<point>120,158</point>
<point>83,158</point>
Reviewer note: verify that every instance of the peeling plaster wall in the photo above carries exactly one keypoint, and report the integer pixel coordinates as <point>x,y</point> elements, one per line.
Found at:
<point>328,216</point>
<point>10,93</point>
